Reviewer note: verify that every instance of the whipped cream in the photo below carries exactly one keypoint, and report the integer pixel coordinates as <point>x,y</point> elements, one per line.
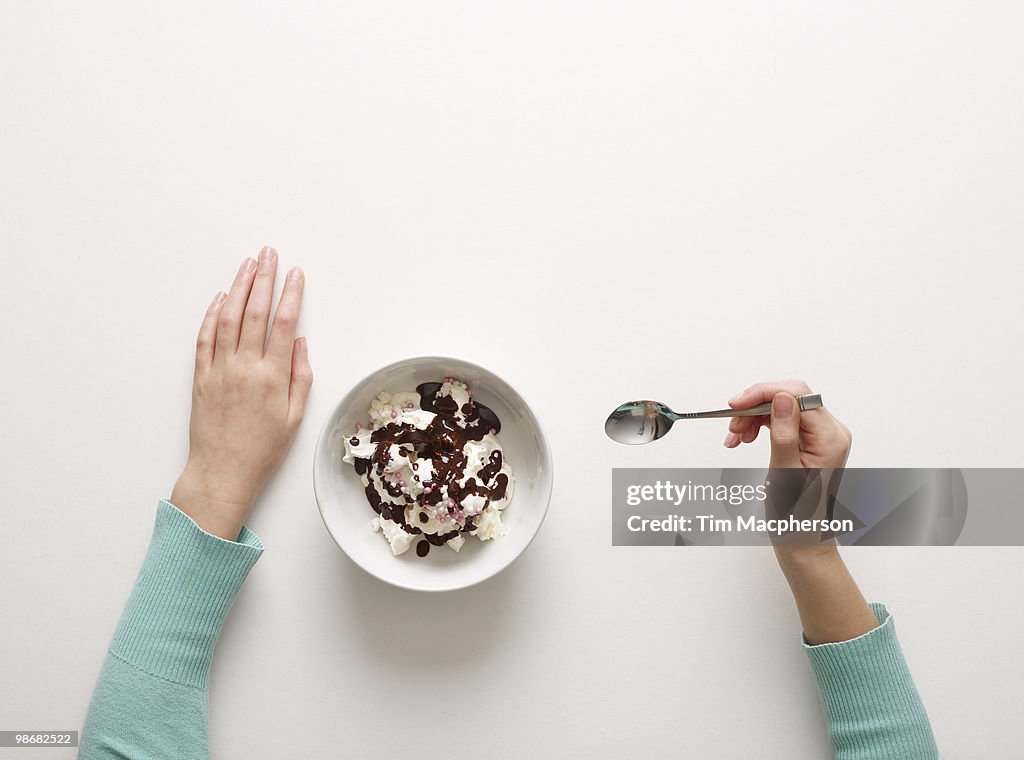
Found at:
<point>432,467</point>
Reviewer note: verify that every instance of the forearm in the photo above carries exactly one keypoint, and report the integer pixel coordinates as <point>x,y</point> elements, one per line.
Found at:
<point>872,706</point>
<point>216,502</point>
<point>830,605</point>
<point>150,700</point>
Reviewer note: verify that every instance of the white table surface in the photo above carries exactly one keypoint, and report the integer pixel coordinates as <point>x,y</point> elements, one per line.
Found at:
<point>596,200</point>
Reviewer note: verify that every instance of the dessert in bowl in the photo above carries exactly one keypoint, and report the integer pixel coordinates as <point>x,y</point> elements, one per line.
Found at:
<point>436,454</point>
<point>431,467</point>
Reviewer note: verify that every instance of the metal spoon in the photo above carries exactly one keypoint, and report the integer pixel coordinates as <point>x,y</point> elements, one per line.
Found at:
<point>645,421</point>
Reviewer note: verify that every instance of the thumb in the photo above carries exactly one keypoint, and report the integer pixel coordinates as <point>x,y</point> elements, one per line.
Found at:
<point>785,429</point>
<point>301,380</point>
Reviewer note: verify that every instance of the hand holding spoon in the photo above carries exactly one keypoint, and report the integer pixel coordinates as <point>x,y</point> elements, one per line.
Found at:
<point>646,421</point>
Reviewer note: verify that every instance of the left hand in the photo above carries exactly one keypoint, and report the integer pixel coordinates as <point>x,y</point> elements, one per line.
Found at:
<point>248,396</point>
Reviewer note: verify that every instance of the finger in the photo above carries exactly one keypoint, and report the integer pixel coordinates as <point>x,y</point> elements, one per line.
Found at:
<point>282,332</point>
<point>744,430</point>
<point>785,431</point>
<point>257,309</point>
<point>230,322</point>
<point>301,380</point>
<point>747,429</point>
<point>206,341</point>
<point>747,434</point>
<point>750,434</point>
<point>760,393</point>
<point>741,425</point>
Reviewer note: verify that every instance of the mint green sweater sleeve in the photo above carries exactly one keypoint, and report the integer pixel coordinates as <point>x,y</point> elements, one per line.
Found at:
<point>871,704</point>
<point>150,700</point>
<point>151,697</point>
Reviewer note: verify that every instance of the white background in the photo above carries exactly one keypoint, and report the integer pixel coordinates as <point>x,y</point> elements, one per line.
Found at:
<point>599,201</point>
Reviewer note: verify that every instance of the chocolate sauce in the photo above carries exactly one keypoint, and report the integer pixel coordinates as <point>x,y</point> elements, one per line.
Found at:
<point>440,539</point>
<point>489,419</point>
<point>474,411</point>
<point>493,466</point>
<point>428,392</point>
<point>500,487</point>
<point>443,441</point>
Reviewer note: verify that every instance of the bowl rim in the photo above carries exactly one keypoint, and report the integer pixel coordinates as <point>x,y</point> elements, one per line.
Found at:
<point>326,428</point>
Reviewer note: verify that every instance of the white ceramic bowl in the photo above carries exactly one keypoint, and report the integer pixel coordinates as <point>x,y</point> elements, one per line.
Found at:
<point>347,514</point>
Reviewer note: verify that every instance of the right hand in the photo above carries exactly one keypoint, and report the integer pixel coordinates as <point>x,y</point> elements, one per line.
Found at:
<point>799,439</point>
<point>812,440</point>
<point>831,606</point>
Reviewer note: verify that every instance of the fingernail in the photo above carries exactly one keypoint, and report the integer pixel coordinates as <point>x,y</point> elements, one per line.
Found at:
<point>296,273</point>
<point>302,345</point>
<point>268,255</point>
<point>249,265</point>
<point>736,398</point>
<point>219,298</point>
<point>783,406</point>
<point>730,439</point>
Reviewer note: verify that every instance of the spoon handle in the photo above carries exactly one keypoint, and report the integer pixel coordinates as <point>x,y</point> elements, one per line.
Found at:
<point>808,402</point>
